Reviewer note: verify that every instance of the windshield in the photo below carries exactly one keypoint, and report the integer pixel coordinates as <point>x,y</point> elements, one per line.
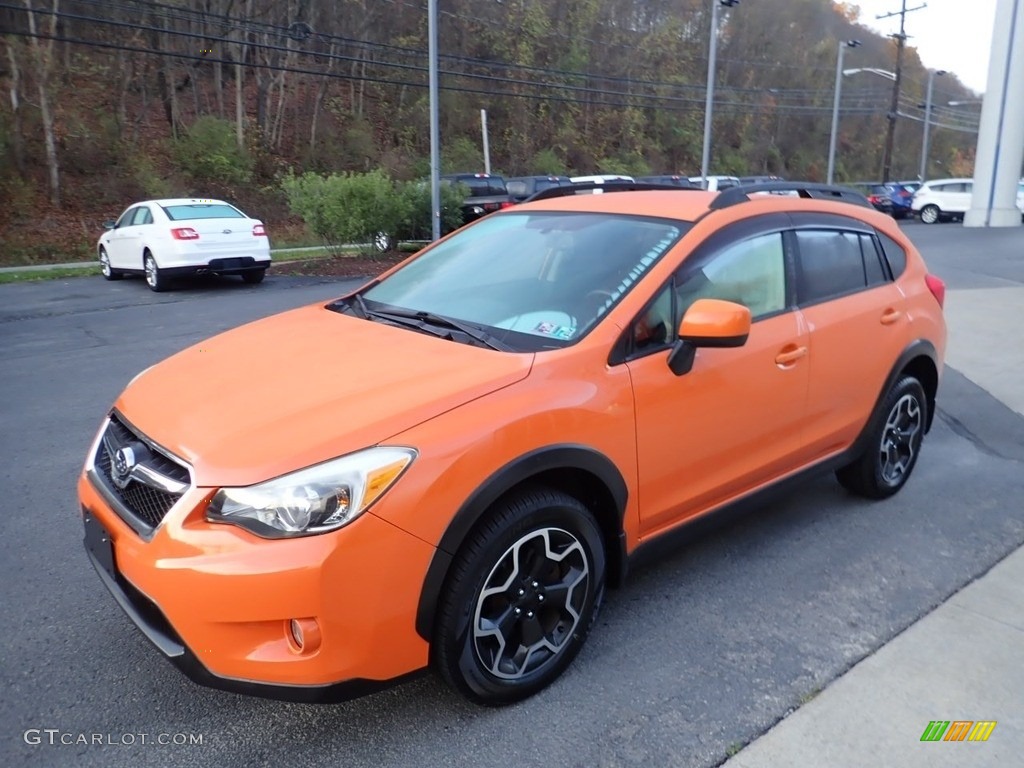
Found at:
<point>534,281</point>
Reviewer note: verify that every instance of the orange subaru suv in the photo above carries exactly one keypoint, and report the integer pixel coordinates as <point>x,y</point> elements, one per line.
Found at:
<point>447,467</point>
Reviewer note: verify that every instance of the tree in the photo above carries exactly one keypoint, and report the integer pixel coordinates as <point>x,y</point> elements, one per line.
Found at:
<point>42,57</point>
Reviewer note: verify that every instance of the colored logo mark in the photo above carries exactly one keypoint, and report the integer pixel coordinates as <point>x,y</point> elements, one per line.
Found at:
<point>958,730</point>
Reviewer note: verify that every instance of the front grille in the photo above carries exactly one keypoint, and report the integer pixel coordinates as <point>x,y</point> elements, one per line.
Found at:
<point>142,505</point>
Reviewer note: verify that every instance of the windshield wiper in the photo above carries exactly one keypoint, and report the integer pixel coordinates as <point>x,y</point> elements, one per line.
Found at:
<point>477,334</point>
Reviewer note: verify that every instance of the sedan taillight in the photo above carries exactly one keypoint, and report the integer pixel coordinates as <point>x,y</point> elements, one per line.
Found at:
<point>184,233</point>
<point>259,231</point>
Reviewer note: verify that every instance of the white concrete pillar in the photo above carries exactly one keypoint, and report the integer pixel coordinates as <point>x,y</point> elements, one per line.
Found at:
<point>1000,151</point>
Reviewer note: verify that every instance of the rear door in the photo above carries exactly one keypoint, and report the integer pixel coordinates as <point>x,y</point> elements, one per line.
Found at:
<point>857,321</point>
<point>125,250</point>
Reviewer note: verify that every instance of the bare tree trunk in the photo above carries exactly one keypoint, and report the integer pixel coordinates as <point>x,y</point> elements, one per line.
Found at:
<point>17,138</point>
<point>240,97</point>
<point>321,94</point>
<point>43,55</point>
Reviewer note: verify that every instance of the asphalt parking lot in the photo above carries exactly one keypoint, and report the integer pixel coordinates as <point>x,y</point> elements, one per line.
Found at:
<point>697,654</point>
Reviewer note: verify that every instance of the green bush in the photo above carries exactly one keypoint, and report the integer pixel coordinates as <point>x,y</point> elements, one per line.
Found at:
<point>346,208</point>
<point>414,203</point>
<point>369,208</point>
<point>209,153</point>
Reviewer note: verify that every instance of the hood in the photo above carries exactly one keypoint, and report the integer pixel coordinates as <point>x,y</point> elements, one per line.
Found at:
<point>303,387</point>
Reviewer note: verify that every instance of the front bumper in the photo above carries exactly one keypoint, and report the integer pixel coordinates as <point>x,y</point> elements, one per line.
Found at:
<point>217,601</point>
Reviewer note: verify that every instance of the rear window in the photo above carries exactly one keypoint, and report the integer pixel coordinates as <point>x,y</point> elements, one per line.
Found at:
<point>481,186</point>
<point>485,187</point>
<point>191,211</point>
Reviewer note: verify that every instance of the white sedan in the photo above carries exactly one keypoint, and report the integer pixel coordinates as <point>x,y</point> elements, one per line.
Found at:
<point>165,238</point>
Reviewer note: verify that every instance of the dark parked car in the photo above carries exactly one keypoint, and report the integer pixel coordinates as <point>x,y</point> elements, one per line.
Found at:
<point>672,181</point>
<point>522,187</point>
<point>891,198</point>
<point>487,194</point>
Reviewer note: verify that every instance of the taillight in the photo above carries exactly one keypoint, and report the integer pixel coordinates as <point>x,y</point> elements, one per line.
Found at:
<point>184,233</point>
<point>937,287</point>
<point>507,204</point>
<point>259,231</point>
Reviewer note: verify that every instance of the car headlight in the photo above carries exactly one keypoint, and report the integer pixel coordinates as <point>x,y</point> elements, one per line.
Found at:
<point>313,500</point>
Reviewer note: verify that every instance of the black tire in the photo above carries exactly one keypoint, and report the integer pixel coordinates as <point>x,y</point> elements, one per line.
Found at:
<point>930,214</point>
<point>108,272</point>
<point>253,276</point>
<point>893,445</point>
<point>538,605</point>
<point>155,278</point>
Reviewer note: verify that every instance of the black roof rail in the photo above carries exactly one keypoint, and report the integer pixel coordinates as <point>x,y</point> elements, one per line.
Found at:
<point>607,186</point>
<point>806,189</point>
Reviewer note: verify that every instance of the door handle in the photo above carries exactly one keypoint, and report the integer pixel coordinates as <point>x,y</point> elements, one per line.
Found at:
<point>890,316</point>
<point>790,355</point>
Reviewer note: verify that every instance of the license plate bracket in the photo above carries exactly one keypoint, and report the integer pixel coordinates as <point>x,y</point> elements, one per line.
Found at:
<point>99,544</point>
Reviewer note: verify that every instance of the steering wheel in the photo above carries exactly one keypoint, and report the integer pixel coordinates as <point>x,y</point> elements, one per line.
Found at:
<point>598,298</point>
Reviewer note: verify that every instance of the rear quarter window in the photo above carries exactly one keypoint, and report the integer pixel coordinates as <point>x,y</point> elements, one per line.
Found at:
<point>894,254</point>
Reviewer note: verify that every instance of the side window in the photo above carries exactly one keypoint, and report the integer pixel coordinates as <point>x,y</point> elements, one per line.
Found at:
<point>894,254</point>
<point>873,269</point>
<point>142,216</point>
<point>654,328</point>
<point>126,218</point>
<point>831,264</point>
<point>751,272</point>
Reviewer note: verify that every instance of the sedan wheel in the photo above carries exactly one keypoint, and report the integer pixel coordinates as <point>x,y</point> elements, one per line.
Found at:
<point>521,598</point>
<point>154,277</point>
<point>108,272</point>
<point>930,214</point>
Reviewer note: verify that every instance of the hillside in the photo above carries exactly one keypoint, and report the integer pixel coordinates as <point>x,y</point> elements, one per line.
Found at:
<point>110,101</point>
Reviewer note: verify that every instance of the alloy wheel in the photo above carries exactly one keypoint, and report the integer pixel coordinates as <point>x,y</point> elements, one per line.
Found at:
<point>900,439</point>
<point>531,603</point>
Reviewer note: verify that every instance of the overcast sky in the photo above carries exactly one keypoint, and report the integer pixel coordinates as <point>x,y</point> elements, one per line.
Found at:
<point>954,35</point>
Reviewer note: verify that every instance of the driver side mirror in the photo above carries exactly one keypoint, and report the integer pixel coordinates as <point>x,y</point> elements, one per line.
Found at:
<point>109,224</point>
<point>708,323</point>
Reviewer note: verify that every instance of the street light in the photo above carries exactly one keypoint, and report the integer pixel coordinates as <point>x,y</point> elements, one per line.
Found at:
<point>705,160</point>
<point>435,139</point>
<point>874,71</point>
<point>927,122</point>
<point>835,108</point>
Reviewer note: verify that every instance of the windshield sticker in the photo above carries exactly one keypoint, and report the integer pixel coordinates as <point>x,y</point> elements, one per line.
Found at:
<point>555,331</point>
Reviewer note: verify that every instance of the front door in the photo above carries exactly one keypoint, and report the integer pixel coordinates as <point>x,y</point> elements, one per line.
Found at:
<point>734,421</point>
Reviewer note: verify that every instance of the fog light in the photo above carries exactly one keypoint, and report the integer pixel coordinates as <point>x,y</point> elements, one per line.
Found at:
<point>304,635</point>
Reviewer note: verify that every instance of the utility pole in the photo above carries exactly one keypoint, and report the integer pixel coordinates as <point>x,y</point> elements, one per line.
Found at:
<point>901,39</point>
